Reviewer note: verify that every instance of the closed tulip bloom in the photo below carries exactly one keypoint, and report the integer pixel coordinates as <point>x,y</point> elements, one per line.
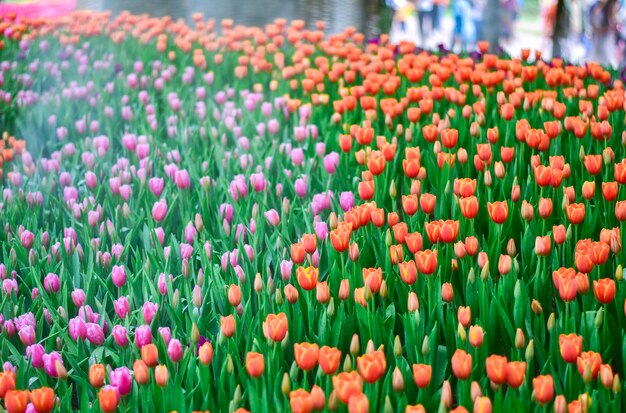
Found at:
<point>409,204</point>
<point>140,372</point>
<point>347,385</point>
<point>97,374</point>
<point>234,295</point>
<point>469,207</point>
<point>340,237</point>
<point>427,203</point>
<point>329,358</point>
<point>464,316</point>
<point>298,253</point>
<point>159,210</point>
<point>498,211</point>
<point>418,408</point>
<point>408,272</point>
<point>205,353</point>
<point>461,364</point>
<point>307,277</point>
<point>497,369</point>
<point>447,292</point>
<point>543,246</point>
<point>373,277</point>
<point>109,399</point>
<point>482,405</point>
<point>322,292</point>
<point>604,290</point>
<point>255,364</point>
<point>593,163</point>
<point>306,355</point>
<point>275,327</point>
<point>422,374</point>
<point>161,375</point>
<point>300,401</point>
<point>43,399</point>
<point>359,403</point>
<point>570,346</point>
<point>150,355</point>
<point>543,387</point>
<point>426,261</point>
<point>476,335</point>
<point>515,373</point>
<point>16,401</point>
<point>228,325</point>
<point>575,213</point>
<point>175,350</point>
<point>120,379</point>
<point>609,191</point>
<point>588,364</point>
<point>372,366</point>
<point>7,383</point>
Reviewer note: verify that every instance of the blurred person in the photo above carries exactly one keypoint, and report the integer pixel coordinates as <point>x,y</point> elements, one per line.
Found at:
<point>464,33</point>
<point>439,12</point>
<point>603,19</point>
<point>509,11</point>
<point>561,32</point>
<point>478,11</point>
<point>402,11</point>
<point>425,12</point>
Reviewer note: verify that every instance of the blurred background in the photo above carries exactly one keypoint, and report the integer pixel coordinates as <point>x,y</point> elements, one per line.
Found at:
<point>576,30</point>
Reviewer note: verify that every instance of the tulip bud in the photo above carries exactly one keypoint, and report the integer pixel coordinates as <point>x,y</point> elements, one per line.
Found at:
<point>347,364</point>
<point>488,179</point>
<point>461,332</point>
<point>271,287</point>
<point>617,386</point>
<point>446,395</point>
<point>383,289</point>
<point>413,302</point>
<point>353,252</point>
<point>530,350</point>
<point>175,299</point>
<point>230,367</point>
<point>388,238</point>
<point>397,346</point>
<point>332,220</point>
<point>520,339</point>
<point>195,333</point>
<point>60,370</point>
<point>484,273</point>
<point>510,248</point>
<point>278,298</point>
<point>476,391</point>
<point>536,307</point>
<point>258,283</point>
<point>447,188</point>
<point>198,222</point>
<point>581,153</point>
<point>332,401</point>
<point>237,395</point>
<point>471,276</point>
<point>599,317</point>
<point>355,347</point>
<point>393,193</point>
<point>286,385</point>
<point>618,273</point>
<point>551,322</point>
<point>388,408</point>
<point>330,310</point>
<point>398,380</point>
<point>426,346</point>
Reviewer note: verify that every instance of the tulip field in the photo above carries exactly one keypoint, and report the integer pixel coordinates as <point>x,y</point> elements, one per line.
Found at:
<point>200,216</point>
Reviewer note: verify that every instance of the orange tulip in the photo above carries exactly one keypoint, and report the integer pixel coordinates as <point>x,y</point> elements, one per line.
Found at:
<point>291,293</point>
<point>161,375</point>
<point>413,241</point>
<point>16,401</point>
<point>461,364</point>
<point>329,358</point>
<point>418,408</point>
<point>150,355</point>
<point>604,290</point>
<point>588,364</point>
<point>408,272</point>
<point>372,277</point>
<point>109,399</point>
<point>309,241</point>
<point>575,213</point>
<point>570,346</point>
<point>275,327</point>
<point>496,368</point>
<point>411,167</point>
<point>358,403</point>
<point>482,404</point>
<point>609,191</point>
<point>498,211</point>
<point>476,336</point>
<point>300,401</point>
<point>449,138</point>
<point>409,204</point>
<point>469,207</point>
<point>7,383</point>
<point>372,366</point>
<point>97,374</point>
<point>307,277</point>
<point>43,399</point>
<point>400,231</point>
<point>449,231</point>
<point>620,211</point>
<point>306,355</point>
<point>427,203</point>
<point>347,385</point>
<point>544,389</point>
<point>376,163</point>
<point>140,371</point>
<point>340,237</point>
<point>227,326</point>
<point>422,373</point>
<point>515,373</point>
<point>464,316</point>
<point>426,261</point>
<point>234,295</point>
<point>205,354</point>
<point>297,253</point>
<point>255,364</point>
<point>447,292</point>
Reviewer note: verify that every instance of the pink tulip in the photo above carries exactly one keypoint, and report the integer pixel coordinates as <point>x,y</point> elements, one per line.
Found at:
<point>95,335</point>
<point>149,310</point>
<point>121,306</point>
<point>166,334</point>
<point>181,178</point>
<point>35,354</point>
<point>27,238</point>
<point>143,335</point>
<point>190,233</point>
<point>49,363</point>
<point>27,335</point>
<point>51,283</point>
<point>118,275</point>
<point>175,350</point>
<point>77,328</point>
<point>120,336</point>
<point>159,210</point>
<point>121,379</point>
<point>272,217</point>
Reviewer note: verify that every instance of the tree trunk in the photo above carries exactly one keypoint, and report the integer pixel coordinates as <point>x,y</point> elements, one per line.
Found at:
<point>492,23</point>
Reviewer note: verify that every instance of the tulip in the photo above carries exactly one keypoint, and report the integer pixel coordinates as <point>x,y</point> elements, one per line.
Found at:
<point>255,364</point>
<point>347,385</point>
<point>461,364</point>
<point>422,374</point>
<point>16,401</point>
<point>543,387</point>
<point>570,346</point>
<point>43,399</point>
<point>372,366</point>
<point>604,290</point>
<point>97,374</point>
<point>497,369</point>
